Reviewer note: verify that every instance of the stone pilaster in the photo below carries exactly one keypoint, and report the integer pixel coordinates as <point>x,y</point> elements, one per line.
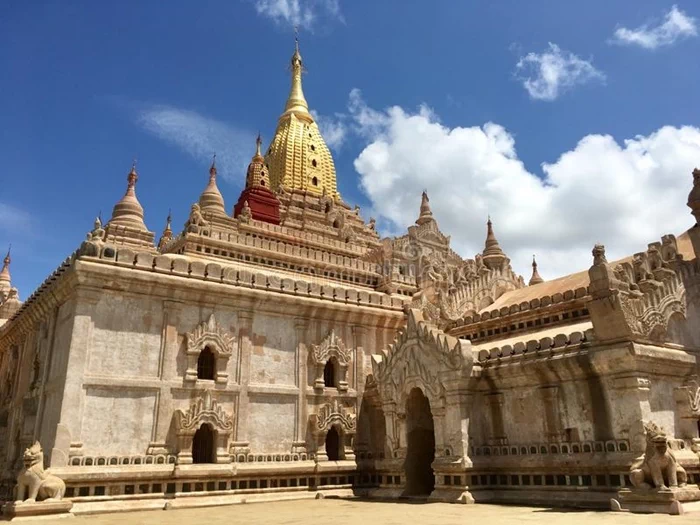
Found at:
<point>245,347</point>
<point>495,401</point>
<point>631,397</point>
<point>302,359</point>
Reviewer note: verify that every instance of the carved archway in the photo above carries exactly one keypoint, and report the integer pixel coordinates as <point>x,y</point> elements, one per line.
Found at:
<point>331,348</point>
<point>424,357</point>
<point>220,342</point>
<point>204,411</point>
<point>338,417</point>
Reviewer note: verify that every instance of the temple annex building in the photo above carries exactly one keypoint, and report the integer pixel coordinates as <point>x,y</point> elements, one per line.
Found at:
<point>277,347</point>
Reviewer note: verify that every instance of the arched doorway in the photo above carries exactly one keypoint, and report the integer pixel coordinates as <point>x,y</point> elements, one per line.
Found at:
<point>203,445</point>
<point>420,432</point>
<point>333,445</point>
<point>206,364</point>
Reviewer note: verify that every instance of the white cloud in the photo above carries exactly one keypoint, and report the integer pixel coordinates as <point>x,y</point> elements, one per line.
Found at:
<point>624,195</point>
<point>676,25</point>
<point>202,137</point>
<point>302,13</point>
<point>333,128</point>
<point>547,75</point>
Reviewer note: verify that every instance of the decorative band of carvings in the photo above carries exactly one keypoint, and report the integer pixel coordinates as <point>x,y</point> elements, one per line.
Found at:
<point>108,461</point>
<point>531,449</point>
<point>544,346</point>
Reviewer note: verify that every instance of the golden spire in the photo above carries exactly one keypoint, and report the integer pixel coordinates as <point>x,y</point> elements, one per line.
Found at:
<point>536,278</point>
<point>296,103</point>
<point>298,157</point>
<point>426,214</point>
<point>211,199</point>
<point>128,211</point>
<point>493,256</point>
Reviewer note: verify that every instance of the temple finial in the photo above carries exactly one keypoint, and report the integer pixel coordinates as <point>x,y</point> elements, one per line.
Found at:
<point>493,256</point>
<point>5,274</point>
<point>212,168</point>
<point>133,177</point>
<point>296,38</point>
<point>426,214</point>
<point>258,144</point>
<point>536,278</point>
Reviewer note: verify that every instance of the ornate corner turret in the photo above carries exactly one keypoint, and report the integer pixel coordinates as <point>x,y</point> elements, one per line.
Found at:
<point>211,200</point>
<point>536,278</point>
<point>126,225</point>
<point>492,256</point>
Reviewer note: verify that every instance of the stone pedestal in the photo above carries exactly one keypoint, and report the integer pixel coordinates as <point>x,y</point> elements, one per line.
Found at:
<point>25,510</point>
<point>671,501</point>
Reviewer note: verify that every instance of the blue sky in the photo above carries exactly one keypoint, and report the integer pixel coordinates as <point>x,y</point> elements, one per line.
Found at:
<point>466,99</point>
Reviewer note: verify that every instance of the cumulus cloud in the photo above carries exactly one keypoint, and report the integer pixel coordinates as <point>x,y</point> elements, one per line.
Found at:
<point>624,195</point>
<point>333,129</point>
<point>302,13</point>
<point>676,25</point>
<point>201,137</point>
<point>547,75</point>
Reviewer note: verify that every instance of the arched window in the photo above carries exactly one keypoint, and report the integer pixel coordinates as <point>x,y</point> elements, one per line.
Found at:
<point>203,445</point>
<point>336,223</point>
<point>333,445</point>
<point>206,364</point>
<point>314,163</point>
<point>262,183</point>
<point>314,181</point>
<point>329,374</point>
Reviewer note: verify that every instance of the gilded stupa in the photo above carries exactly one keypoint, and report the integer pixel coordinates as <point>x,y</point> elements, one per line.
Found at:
<point>298,157</point>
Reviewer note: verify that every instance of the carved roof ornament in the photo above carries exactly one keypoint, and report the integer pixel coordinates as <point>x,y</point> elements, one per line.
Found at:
<point>204,410</point>
<point>694,196</point>
<point>334,414</point>
<point>332,346</point>
<point>536,278</point>
<point>212,335</point>
<point>211,200</point>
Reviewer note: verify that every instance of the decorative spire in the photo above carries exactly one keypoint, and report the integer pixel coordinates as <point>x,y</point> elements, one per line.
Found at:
<point>257,174</point>
<point>536,278</point>
<point>128,211</point>
<point>211,200</point>
<point>426,214</point>
<point>493,256</point>
<point>5,273</point>
<point>296,103</point>
<point>167,234</point>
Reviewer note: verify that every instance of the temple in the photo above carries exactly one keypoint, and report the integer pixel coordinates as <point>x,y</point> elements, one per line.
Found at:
<point>280,347</point>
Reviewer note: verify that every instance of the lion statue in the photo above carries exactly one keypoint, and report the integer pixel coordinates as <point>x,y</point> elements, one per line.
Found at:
<point>658,467</point>
<point>34,483</point>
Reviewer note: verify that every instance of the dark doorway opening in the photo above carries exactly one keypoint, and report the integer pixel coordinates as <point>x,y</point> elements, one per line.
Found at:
<point>420,478</point>
<point>203,445</point>
<point>206,364</point>
<point>333,445</point>
<point>329,374</point>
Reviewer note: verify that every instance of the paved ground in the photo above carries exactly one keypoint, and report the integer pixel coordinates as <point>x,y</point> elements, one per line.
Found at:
<point>328,511</point>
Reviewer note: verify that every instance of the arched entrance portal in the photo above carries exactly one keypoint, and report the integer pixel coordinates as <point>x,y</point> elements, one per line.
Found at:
<point>420,479</point>
<point>203,445</point>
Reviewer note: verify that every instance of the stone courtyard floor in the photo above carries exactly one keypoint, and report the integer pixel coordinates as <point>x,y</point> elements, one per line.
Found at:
<point>356,512</point>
